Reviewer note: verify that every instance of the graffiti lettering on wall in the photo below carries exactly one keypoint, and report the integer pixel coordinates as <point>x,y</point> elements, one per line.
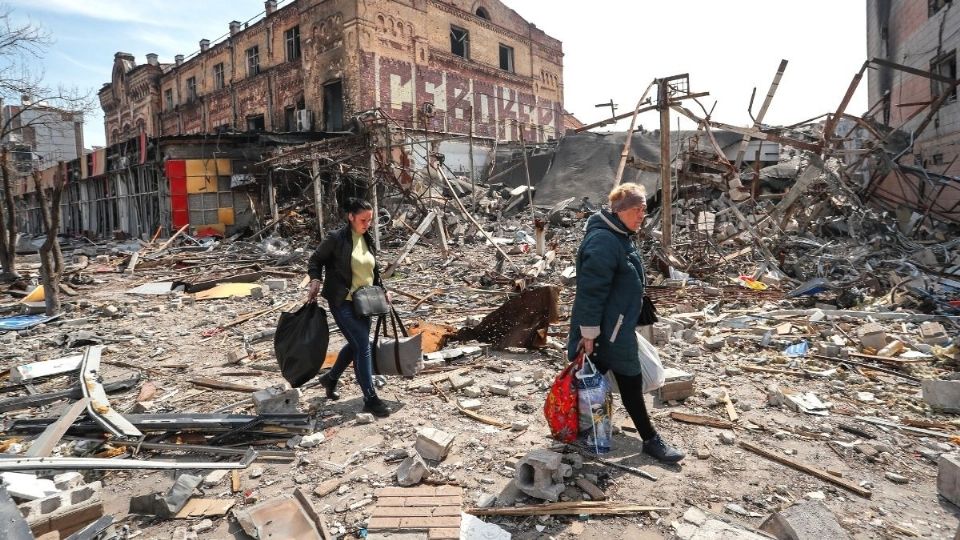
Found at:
<point>498,109</point>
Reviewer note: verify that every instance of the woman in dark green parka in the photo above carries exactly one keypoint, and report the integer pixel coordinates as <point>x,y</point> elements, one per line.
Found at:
<point>610,282</point>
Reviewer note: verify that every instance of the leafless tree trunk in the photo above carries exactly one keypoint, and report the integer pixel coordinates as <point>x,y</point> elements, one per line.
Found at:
<point>51,259</point>
<point>8,221</point>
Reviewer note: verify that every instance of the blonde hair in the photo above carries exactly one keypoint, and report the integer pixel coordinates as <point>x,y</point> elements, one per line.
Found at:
<point>627,196</point>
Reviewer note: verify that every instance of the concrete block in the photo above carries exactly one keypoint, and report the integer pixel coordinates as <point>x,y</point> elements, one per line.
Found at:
<point>433,444</point>
<point>679,385</point>
<point>412,470</point>
<point>539,475</point>
<point>942,395</point>
<point>214,478</point>
<point>714,343</point>
<point>809,520</point>
<point>470,404</point>
<point>472,392</point>
<point>65,512</point>
<point>498,389</point>
<point>27,487</point>
<point>68,480</point>
<point>276,284</point>
<point>236,356</point>
<point>275,400</point>
<point>459,381</point>
<point>872,336</point>
<point>948,477</point>
<point>933,333</point>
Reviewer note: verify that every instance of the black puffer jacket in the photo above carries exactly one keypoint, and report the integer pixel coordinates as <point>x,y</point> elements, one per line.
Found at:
<point>333,256</point>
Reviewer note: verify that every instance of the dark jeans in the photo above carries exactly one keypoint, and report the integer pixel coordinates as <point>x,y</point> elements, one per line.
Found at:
<point>631,392</point>
<point>357,350</point>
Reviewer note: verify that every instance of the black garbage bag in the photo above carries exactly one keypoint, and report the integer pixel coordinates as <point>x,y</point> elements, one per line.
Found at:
<point>301,343</point>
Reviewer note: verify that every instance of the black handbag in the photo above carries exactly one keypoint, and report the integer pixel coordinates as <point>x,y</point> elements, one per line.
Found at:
<point>648,312</point>
<point>300,343</point>
<point>370,301</point>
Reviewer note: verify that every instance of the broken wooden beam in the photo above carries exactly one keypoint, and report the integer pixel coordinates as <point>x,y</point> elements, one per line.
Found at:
<point>414,238</point>
<point>701,420</point>
<point>808,469</point>
<point>43,445</point>
<point>207,382</point>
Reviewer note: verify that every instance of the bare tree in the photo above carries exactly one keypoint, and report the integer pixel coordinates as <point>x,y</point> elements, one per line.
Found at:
<point>51,258</point>
<point>21,47</point>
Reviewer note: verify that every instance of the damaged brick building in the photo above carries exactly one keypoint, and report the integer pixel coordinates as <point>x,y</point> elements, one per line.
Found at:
<point>923,37</point>
<point>301,72</point>
<point>311,65</point>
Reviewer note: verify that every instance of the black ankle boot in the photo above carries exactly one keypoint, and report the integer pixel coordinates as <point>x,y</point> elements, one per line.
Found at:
<point>330,386</point>
<point>662,451</point>
<point>376,407</point>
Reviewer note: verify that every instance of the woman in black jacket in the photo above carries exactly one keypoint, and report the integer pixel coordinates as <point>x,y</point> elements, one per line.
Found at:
<point>349,259</point>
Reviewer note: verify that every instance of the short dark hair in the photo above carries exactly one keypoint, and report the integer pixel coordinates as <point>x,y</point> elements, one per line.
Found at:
<point>355,205</point>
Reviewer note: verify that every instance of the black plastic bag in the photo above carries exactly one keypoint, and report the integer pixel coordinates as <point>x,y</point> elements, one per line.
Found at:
<point>300,343</point>
<point>648,312</point>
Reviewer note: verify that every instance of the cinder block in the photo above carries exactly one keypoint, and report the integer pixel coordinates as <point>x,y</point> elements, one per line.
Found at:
<point>433,443</point>
<point>948,477</point>
<point>933,333</point>
<point>540,475</point>
<point>872,336</point>
<point>679,385</point>
<point>276,284</point>
<point>68,480</point>
<point>276,400</point>
<point>65,512</point>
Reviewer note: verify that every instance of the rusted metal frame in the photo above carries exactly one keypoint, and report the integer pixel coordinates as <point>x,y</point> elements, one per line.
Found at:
<point>831,123</point>
<point>892,199</point>
<point>754,133</point>
<point>911,70</point>
<point>99,406</point>
<point>643,110</point>
<point>719,151</point>
<point>633,124</point>
<point>761,113</point>
<point>929,208</point>
<point>933,111</point>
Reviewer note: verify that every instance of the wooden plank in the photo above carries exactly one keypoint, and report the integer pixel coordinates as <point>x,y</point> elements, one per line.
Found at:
<point>444,533</point>
<point>700,420</point>
<point>444,500</point>
<point>429,522</point>
<point>731,412</point>
<point>201,507</point>
<point>235,481</point>
<point>207,382</point>
<point>808,469</point>
<point>406,492</point>
<point>415,511</point>
<point>43,445</point>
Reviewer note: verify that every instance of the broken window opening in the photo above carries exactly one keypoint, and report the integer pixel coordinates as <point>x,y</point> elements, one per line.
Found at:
<point>506,58</point>
<point>292,38</point>
<point>333,106</point>
<point>290,118</point>
<point>256,123</point>
<point>168,98</point>
<point>253,61</point>
<point>934,6</point>
<point>191,89</point>
<point>459,42</point>
<point>218,77</point>
<point>483,13</point>
<point>944,65</point>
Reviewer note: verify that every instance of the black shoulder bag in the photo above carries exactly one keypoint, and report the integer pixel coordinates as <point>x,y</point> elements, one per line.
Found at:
<point>648,312</point>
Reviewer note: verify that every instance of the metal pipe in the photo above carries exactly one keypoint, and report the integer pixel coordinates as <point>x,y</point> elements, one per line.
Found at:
<point>106,464</point>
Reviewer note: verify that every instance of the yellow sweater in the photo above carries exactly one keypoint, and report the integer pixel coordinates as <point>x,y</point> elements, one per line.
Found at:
<point>361,264</point>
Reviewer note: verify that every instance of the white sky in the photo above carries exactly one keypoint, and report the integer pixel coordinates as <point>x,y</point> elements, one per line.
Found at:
<point>613,49</point>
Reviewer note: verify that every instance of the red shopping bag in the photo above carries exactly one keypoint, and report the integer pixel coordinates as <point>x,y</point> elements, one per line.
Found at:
<point>560,408</point>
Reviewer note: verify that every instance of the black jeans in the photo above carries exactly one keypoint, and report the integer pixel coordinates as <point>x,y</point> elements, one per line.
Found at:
<point>631,392</point>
